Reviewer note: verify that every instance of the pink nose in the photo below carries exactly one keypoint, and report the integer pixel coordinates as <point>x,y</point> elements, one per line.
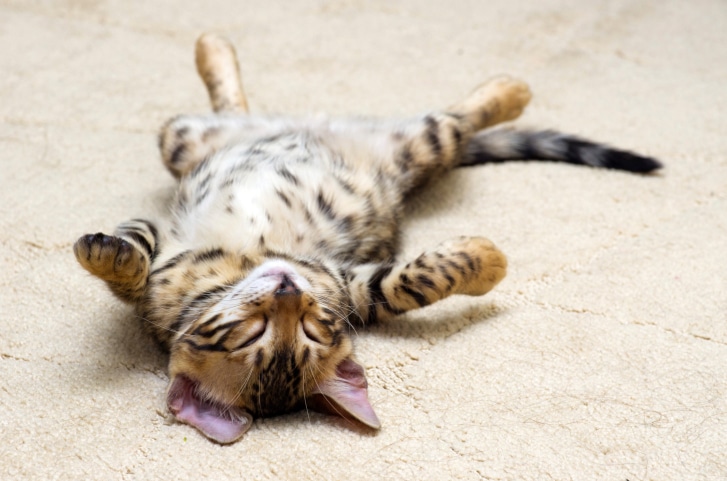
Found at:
<point>287,287</point>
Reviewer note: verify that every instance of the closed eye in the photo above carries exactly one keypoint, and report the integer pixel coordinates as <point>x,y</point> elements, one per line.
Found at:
<point>254,334</point>
<point>310,332</point>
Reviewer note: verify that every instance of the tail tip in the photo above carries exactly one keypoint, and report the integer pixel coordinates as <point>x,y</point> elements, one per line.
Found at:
<point>632,162</point>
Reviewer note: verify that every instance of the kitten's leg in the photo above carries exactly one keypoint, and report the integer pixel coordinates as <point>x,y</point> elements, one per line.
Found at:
<point>467,265</point>
<point>217,65</point>
<point>439,141</point>
<point>414,151</point>
<point>185,141</point>
<point>498,100</point>
<point>122,260</point>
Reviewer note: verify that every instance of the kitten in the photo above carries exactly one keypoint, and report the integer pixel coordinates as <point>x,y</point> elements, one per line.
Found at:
<point>283,234</point>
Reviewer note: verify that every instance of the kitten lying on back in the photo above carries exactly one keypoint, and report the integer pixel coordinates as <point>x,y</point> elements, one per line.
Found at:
<point>283,234</point>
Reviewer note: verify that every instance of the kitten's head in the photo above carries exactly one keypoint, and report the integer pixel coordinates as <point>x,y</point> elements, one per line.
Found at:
<point>276,342</point>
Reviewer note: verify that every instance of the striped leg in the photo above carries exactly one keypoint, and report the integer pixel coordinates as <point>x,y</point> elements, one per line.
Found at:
<point>185,141</point>
<point>467,265</point>
<point>122,260</point>
<point>439,142</point>
<point>217,66</point>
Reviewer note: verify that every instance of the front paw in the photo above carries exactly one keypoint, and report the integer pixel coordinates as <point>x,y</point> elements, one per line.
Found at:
<point>108,257</point>
<point>481,265</point>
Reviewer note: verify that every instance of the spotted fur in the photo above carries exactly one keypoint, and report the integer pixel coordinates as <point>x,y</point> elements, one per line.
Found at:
<point>283,234</point>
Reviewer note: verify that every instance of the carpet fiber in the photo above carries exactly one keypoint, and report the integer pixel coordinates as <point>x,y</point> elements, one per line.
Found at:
<point>601,356</point>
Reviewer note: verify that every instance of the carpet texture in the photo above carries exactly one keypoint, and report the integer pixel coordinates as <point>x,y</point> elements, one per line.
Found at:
<point>603,353</point>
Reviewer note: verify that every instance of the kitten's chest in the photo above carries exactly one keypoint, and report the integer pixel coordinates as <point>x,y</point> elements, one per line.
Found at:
<point>286,197</point>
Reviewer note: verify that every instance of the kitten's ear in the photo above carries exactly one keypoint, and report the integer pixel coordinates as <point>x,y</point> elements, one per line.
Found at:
<point>219,423</point>
<point>346,394</point>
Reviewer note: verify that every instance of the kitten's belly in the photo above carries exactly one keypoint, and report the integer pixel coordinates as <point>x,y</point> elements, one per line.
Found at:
<point>264,210</point>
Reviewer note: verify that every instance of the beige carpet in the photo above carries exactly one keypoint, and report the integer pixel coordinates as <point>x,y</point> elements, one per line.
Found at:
<point>603,354</point>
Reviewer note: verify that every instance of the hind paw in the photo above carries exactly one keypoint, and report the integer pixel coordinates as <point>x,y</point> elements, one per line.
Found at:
<point>500,99</point>
<point>108,257</point>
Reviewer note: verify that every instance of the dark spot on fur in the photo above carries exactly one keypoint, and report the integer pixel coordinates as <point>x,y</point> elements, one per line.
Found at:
<point>325,206</point>
<point>177,154</point>
<point>432,135</point>
<point>283,197</point>
<point>287,175</point>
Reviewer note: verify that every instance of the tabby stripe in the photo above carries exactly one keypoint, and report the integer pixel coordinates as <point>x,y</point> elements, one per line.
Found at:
<point>456,266</point>
<point>419,262</point>
<point>325,207</point>
<point>229,326</point>
<point>448,276</point>
<point>418,297</point>
<point>288,176</point>
<point>205,347</point>
<point>405,159</point>
<point>376,294</point>
<point>206,324</point>
<point>346,186</point>
<point>172,262</point>
<point>149,225</point>
<point>208,255</point>
<point>457,136</point>
<point>139,239</point>
<point>432,135</point>
<point>177,154</point>
<point>220,344</point>
<point>345,224</point>
<point>426,281</point>
<point>283,197</point>
<point>202,197</point>
<point>205,182</point>
<point>470,262</point>
<point>336,340</point>
<point>189,309</point>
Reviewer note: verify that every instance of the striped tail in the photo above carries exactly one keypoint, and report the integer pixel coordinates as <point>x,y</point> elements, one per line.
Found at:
<point>501,145</point>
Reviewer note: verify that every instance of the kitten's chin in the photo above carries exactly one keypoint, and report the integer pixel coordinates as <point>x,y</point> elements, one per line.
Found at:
<point>271,274</point>
<point>224,424</point>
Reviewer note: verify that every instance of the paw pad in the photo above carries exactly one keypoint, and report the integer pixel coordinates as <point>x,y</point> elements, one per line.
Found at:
<point>108,257</point>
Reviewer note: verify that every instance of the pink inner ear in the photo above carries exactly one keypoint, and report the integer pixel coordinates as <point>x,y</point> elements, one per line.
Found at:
<point>219,423</point>
<point>348,390</point>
